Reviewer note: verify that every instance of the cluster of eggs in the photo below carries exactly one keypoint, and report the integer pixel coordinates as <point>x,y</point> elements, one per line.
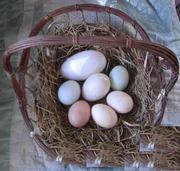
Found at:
<point>87,66</point>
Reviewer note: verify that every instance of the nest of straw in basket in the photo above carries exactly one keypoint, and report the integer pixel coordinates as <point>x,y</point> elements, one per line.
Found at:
<point>90,142</point>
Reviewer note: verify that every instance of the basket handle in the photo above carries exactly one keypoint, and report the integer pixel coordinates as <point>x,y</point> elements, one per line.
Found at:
<point>104,41</point>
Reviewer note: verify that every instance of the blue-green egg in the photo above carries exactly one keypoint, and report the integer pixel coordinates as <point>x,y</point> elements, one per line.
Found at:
<point>69,92</point>
<point>119,78</point>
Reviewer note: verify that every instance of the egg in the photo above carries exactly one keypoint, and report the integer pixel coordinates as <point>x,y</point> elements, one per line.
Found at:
<point>83,64</point>
<point>79,114</point>
<point>69,92</point>
<point>120,101</point>
<point>96,87</point>
<point>119,78</point>
<point>104,115</point>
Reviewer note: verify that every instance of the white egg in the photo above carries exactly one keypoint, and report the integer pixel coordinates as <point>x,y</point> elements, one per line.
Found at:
<point>69,92</point>
<point>83,64</point>
<point>120,101</point>
<point>119,78</point>
<point>104,115</point>
<point>96,87</point>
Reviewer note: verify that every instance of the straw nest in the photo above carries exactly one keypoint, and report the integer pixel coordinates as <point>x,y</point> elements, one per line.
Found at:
<point>77,145</point>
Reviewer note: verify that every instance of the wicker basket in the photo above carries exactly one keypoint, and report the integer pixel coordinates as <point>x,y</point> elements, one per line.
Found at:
<point>157,61</point>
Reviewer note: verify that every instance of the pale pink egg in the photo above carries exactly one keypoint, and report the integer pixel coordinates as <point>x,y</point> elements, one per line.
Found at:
<point>104,115</point>
<point>79,114</point>
<point>120,101</point>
